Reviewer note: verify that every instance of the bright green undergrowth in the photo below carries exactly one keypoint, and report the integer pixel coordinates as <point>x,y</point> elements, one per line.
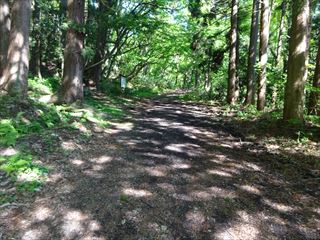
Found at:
<point>24,172</point>
<point>19,120</point>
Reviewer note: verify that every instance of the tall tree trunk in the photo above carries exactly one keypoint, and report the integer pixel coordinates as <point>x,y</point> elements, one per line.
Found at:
<point>252,56</point>
<point>72,84</point>
<point>15,76</point>
<point>314,105</point>
<point>281,28</point>
<point>4,33</point>
<point>232,72</point>
<point>101,40</point>
<point>298,60</point>
<point>196,78</point>
<point>35,61</point>
<point>264,41</point>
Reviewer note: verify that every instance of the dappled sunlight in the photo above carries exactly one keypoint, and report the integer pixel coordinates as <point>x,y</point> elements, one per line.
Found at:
<point>118,127</point>
<point>245,227</point>
<point>186,148</point>
<point>76,224</point>
<point>101,160</point>
<point>77,162</point>
<point>219,173</point>
<point>250,189</point>
<point>41,213</point>
<point>35,234</point>
<point>7,152</point>
<point>194,221</point>
<point>158,171</point>
<point>138,193</point>
<point>278,206</point>
<point>181,166</point>
<point>70,145</point>
<point>212,192</point>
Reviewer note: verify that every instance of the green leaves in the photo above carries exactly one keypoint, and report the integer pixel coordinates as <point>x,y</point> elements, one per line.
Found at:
<point>8,134</point>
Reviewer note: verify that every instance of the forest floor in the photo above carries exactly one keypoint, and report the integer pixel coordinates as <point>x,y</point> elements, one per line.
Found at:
<point>168,170</point>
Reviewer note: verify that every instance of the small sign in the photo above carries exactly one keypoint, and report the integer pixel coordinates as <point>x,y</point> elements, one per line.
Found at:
<point>123,82</point>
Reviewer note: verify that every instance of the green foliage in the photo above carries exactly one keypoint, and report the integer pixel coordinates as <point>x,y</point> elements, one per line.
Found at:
<point>27,175</point>
<point>43,86</point>
<point>6,198</point>
<point>8,133</point>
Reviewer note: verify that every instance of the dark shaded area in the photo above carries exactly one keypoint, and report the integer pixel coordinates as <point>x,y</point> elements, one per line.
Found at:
<point>167,171</point>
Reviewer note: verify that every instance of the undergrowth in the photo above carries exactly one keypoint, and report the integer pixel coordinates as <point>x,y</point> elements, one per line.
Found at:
<point>21,120</point>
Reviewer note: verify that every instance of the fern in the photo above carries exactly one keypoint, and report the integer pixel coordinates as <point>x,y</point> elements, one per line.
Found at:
<point>8,134</point>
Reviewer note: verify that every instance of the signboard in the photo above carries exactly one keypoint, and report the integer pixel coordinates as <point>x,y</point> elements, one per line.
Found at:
<point>123,82</point>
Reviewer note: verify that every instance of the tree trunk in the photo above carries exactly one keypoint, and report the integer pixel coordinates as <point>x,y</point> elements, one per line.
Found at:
<point>252,52</point>
<point>281,28</point>
<point>15,77</point>
<point>101,40</point>
<point>35,62</point>
<point>72,84</point>
<point>4,33</point>
<point>298,60</point>
<point>196,78</point>
<point>264,41</point>
<point>207,83</point>
<point>314,105</point>
<point>232,72</point>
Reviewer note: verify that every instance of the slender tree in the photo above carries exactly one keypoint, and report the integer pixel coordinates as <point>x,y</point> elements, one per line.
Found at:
<point>233,93</point>
<point>72,83</point>
<point>4,33</point>
<point>15,75</point>
<point>314,105</point>
<point>280,34</point>
<point>264,41</point>
<point>252,56</point>
<point>35,61</point>
<point>298,60</point>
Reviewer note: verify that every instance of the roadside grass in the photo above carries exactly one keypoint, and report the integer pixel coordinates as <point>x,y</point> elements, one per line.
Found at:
<point>21,121</point>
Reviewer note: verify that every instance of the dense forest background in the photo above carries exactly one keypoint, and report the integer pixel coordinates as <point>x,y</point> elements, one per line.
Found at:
<point>242,52</point>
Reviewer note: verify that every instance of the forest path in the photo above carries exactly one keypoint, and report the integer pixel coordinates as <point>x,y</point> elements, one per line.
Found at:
<point>168,171</point>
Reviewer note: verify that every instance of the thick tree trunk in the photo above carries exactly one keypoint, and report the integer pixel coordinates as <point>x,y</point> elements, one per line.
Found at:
<point>281,28</point>
<point>4,33</point>
<point>72,84</point>
<point>298,60</point>
<point>35,61</point>
<point>232,95</point>
<point>252,56</point>
<point>15,76</point>
<point>264,41</point>
<point>314,105</point>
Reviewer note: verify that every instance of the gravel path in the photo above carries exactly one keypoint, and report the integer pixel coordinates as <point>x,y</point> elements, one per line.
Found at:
<point>167,171</point>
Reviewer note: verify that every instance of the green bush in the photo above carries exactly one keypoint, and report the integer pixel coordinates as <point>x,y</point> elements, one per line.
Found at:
<point>8,133</point>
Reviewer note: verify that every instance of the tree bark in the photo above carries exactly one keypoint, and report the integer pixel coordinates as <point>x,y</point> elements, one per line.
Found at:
<point>264,41</point>
<point>252,56</point>
<point>15,77</point>
<point>314,105</point>
<point>232,95</point>
<point>298,61</point>
<point>71,89</point>
<point>4,33</point>
<point>35,61</point>
<point>101,41</point>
